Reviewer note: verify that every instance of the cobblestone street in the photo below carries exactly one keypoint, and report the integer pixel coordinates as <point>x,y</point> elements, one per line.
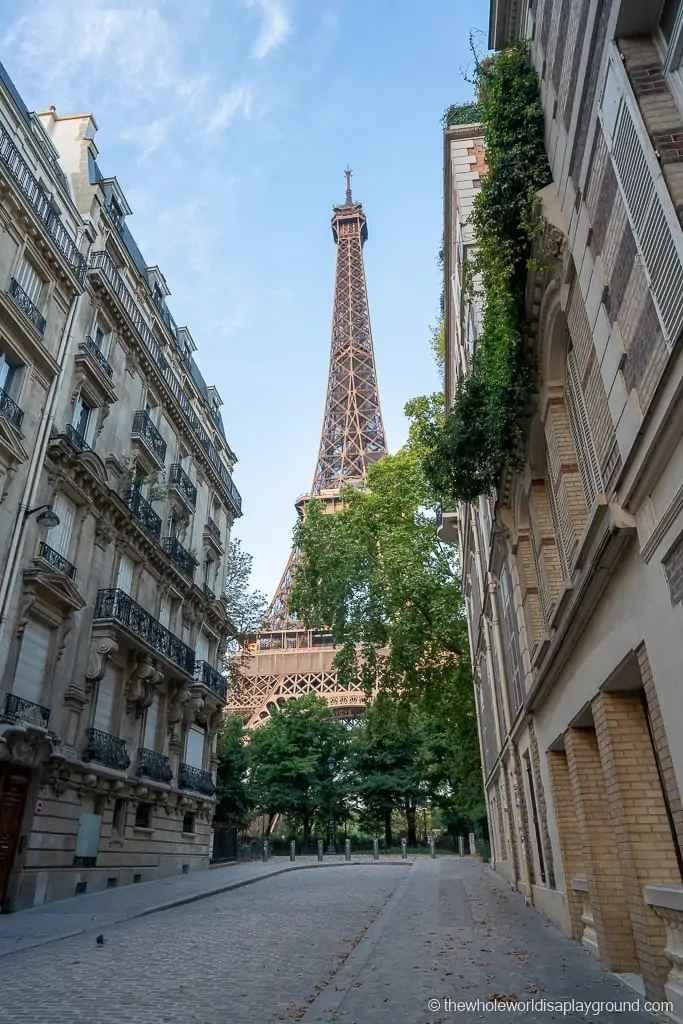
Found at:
<point>359,944</point>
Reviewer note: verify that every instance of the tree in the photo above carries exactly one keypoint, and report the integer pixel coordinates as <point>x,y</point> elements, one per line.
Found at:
<point>234,801</point>
<point>289,772</point>
<point>245,606</point>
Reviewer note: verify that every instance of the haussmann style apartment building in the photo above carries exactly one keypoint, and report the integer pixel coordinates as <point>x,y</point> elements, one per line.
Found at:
<point>113,627</point>
<point>573,568</point>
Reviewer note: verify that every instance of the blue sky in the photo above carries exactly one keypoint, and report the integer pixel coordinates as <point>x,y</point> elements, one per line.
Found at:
<point>229,124</point>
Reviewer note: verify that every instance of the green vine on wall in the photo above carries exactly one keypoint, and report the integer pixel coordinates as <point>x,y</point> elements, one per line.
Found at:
<point>486,426</point>
<point>461,113</point>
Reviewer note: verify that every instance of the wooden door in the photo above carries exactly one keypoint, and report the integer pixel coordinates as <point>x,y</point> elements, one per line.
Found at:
<point>13,788</point>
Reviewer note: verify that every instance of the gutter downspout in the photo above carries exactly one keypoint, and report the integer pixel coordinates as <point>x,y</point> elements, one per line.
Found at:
<point>35,466</point>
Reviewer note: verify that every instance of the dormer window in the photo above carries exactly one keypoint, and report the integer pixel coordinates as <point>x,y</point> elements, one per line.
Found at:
<point>116,213</point>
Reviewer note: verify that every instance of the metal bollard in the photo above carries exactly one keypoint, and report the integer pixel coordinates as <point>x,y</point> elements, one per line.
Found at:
<point>292,850</point>
<point>375,849</point>
<point>432,847</point>
<point>404,849</point>
<point>264,855</point>
<point>347,849</point>
<point>473,845</point>
<point>461,845</point>
<point>320,849</point>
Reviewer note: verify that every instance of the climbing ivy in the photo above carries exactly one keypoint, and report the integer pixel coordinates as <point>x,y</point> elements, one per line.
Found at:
<point>461,113</point>
<point>486,426</point>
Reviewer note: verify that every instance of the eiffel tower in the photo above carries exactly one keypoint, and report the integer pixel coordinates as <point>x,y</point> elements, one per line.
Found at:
<point>286,660</point>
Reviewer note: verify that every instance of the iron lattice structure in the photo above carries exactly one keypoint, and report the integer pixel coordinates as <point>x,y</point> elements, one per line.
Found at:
<point>287,660</point>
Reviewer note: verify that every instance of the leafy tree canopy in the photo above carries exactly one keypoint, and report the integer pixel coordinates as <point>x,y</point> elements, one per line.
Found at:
<point>234,801</point>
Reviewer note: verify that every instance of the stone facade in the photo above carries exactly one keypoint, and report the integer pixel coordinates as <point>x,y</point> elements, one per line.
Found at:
<point>113,627</point>
<point>573,567</point>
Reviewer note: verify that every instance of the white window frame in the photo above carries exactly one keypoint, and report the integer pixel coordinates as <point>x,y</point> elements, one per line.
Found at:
<point>671,53</point>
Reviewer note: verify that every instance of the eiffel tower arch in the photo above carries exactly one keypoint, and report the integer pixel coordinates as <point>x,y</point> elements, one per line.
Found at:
<point>286,660</point>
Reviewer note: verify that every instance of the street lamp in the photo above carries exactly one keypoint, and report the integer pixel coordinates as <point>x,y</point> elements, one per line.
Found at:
<point>331,764</point>
<point>47,518</point>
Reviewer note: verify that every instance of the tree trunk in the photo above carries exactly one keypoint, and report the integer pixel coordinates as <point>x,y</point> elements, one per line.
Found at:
<point>387,827</point>
<point>410,819</point>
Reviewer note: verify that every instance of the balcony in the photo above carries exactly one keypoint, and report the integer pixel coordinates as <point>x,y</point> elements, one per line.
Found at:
<point>25,180</point>
<point>26,711</point>
<point>143,512</point>
<point>10,409</point>
<point>154,766</point>
<point>180,556</point>
<point>106,749</point>
<point>213,529</point>
<point>27,307</point>
<point>208,593</point>
<point>211,678</point>
<point>57,561</point>
<point>196,780</point>
<point>153,442</point>
<point>97,355</point>
<point>179,481</point>
<point>76,440</point>
<point>117,605</point>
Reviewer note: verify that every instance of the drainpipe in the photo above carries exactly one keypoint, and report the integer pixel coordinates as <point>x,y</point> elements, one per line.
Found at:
<point>35,466</point>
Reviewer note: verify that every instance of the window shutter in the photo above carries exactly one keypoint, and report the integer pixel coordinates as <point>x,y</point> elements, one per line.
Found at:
<point>194,755</point>
<point>150,738</point>
<point>78,409</point>
<point>201,650</point>
<point>32,662</point>
<point>124,579</point>
<point>61,535</point>
<point>106,697</point>
<point>582,434</point>
<point>165,612</point>
<point>29,280</point>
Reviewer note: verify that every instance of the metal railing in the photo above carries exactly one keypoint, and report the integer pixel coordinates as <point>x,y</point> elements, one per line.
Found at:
<point>143,512</point>
<point>117,605</point>
<point>97,355</point>
<point>76,440</point>
<point>57,561</point>
<point>211,678</point>
<point>10,409</point>
<point>213,529</point>
<point>106,749</point>
<point>27,307</point>
<point>196,780</point>
<point>208,593</point>
<point>178,478</point>
<point>154,766</point>
<point>26,711</point>
<point>103,262</point>
<point>19,170</point>
<point>144,428</point>
<point>180,556</point>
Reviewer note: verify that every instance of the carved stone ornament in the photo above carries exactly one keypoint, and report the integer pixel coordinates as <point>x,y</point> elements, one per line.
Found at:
<point>104,533</point>
<point>176,705</point>
<point>141,684</point>
<point>28,598</point>
<point>22,744</point>
<point>58,780</point>
<point>101,648</point>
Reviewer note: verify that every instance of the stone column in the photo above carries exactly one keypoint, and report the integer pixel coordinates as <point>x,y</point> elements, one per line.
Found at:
<point>643,838</point>
<point>568,835</point>
<point>607,899</point>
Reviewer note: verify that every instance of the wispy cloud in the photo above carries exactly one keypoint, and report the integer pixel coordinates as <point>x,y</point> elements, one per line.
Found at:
<point>276,28</point>
<point>231,104</point>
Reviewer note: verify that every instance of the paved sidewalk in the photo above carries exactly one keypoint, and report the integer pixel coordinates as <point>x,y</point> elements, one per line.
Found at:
<point>454,931</point>
<point>96,911</point>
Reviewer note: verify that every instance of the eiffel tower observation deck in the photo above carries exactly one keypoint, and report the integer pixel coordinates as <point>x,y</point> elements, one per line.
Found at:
<point>286,660</point>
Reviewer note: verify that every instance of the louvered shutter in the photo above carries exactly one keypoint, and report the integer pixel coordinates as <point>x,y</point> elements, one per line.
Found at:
<point>29,281</point>
<point>586,455</point>
<point>106,698</point>
<point>201,650</point>
<point>194,755</point>
<point>124,580</point>
<point>165,612</point>
<point>61,535</point>
<point>150,737</point>
<point>29,674</point>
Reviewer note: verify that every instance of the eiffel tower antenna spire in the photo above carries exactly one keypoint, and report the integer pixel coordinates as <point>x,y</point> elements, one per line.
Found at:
<point>351,439</point>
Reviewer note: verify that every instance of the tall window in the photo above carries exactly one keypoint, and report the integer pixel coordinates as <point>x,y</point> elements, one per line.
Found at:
<point>29,675</point>
<point>512,656</point>
<point>194,749</point>
<point>124,577</point>
<point>83,420</point>
<point>106,699</point>
<point>149,739</point>
<point>9,375</point>
<point>60,537</point>
<point>30,281</point>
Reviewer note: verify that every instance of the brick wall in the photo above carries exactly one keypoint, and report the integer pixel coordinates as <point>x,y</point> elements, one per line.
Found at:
<point>569,838</point>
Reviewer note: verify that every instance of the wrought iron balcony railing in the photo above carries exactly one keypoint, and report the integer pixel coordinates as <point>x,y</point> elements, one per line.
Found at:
<point>27,307</point>
<point>154,766</point>
<point>178,478</point>
<point>10,409</point>
<point>98,356</point>
<point>76,440</point>
<point>57,561</point>
<point>117,605</point>
<point>106,749</point>
<point>180,556</point>
<point>211,679</point>
<point>143,512</point>
<point>213,529</point>
<point>196,780</point>
<point>103,262</point>
<point>26,711</point>
<point>19,170</point>
<point>208,593</point>
<point>143,427</point>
